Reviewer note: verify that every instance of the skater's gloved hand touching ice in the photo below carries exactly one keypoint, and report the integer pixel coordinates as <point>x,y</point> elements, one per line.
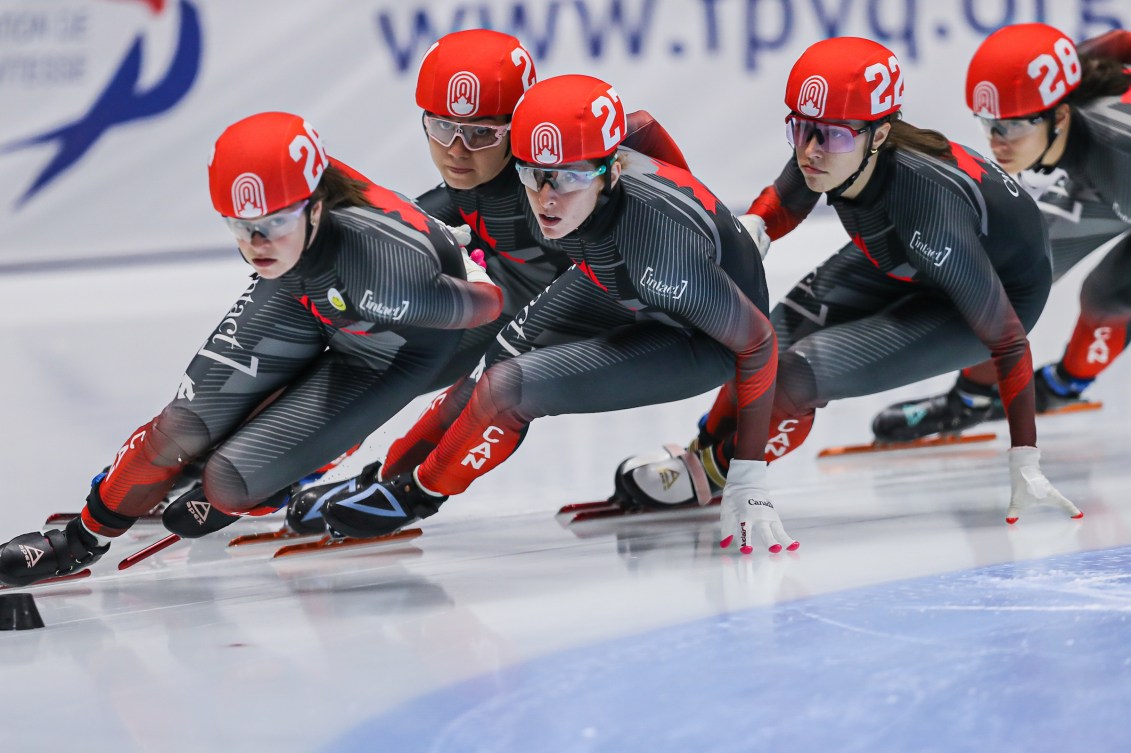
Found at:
<point>1030,487</point>
<point>747,510</point>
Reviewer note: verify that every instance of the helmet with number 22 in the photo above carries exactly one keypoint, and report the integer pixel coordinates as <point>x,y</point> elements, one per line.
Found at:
<point>845,78</point>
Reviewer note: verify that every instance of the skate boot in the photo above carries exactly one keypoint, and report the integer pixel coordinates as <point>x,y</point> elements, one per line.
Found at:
<point>191,515</point>
<point>1056,390</point>
<point>671,477</point>
<point>34,557</point>
<point>379,507</point>
<point>949,413</point>
<point>304,513</point>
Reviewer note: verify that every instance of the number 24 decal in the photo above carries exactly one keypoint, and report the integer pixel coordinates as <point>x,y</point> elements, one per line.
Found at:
<point>882,98</point>
<point>1045,67</point>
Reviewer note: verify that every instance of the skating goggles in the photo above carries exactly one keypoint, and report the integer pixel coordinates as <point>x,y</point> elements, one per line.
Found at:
<point>475,136</point>
<point>562,181</point>
<point>831,137</point>
<point>1010,129</point>
<point>272,226</point>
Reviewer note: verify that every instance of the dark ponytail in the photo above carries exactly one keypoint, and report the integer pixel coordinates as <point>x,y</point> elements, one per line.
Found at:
<point>337,190</point>
<point>905,136</point>
<point>1099,77</point>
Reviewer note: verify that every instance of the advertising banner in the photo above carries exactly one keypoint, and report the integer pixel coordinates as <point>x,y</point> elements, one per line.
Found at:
<point>110,107</point>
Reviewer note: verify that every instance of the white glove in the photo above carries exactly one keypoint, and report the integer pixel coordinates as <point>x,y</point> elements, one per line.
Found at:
<point>756,226</point>
<point>1030,487</point>
<point>747,509</point>
<point>474,268</point>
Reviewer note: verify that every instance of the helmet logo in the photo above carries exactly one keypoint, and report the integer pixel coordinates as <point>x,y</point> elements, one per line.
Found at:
<point>546,144</point>
<point>812,96</point>
<point>249,199</point>
<point>986,101</point>
<point>463,94</point>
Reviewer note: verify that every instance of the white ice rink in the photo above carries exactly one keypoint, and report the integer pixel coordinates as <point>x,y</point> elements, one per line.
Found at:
<point>911,619</point>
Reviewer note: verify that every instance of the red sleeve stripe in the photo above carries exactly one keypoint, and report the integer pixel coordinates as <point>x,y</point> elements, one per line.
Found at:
<point>1019,378</point>
<point>753,388</point>
<point>768,206</point>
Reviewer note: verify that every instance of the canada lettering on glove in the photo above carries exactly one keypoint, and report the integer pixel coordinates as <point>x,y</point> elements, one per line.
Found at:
<point>762,502</point>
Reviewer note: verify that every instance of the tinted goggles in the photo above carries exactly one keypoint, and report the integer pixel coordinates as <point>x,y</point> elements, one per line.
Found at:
<point>1010,129</point>
<point>831,137</point>
<point>272,226</point>
<point>562,181</point>
<point>475,136</point>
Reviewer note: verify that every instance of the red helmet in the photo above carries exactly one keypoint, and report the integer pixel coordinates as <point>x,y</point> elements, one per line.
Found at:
<point>1021,70</point>
<point>845,78</point>
<point>264,163</point>
<point>567,119</point>
<point>477,72</point>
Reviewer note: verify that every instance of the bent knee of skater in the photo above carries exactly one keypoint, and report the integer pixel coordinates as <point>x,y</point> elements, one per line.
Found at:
<point>225,487</point>
<point>179,435</point>
<point>500,388</point>
<point>796,390</point>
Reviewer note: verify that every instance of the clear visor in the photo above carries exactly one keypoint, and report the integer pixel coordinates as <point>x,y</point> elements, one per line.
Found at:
<point>475,136</point>
<point>562,181</point>
<point>831,137</point>
<point>271,226</point>
<point>1010,129</point>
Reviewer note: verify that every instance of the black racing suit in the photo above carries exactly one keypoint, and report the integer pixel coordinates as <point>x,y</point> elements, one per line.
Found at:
<point>1087,206</point>
<point>666,300</point>
<point>947,260</point>
<point>361,325</point>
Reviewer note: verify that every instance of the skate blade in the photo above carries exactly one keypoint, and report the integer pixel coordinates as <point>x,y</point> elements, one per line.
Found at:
<point>54,579</point>
<point>605,510</point>
<point>942,440</point>
<point>1083,406</point>
<point>62,518</point>
<point>149,551</point>
<point>328,543</point>
<point>268,536</point>
<point>582,506</point>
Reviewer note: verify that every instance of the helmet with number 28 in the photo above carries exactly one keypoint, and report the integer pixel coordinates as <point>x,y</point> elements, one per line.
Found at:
<point>568,119</point>
<point>1020,71</point>
<point>265,163</point>
<point>845,78</point>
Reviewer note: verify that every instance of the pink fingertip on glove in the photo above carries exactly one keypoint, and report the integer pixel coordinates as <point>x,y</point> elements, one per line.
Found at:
<point>478,257</point>
<point>793,547</point>
<point>726,542</point>
<point>748,549</point>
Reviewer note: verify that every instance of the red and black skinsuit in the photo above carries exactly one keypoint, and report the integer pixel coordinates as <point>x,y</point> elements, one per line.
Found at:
<point>666,300</point>
<point>361,325</point>
<point>947,260</point>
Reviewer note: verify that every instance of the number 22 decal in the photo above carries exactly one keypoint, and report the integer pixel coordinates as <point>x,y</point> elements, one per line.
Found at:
<point>1046,68</point>
<point>611,133</point>
<point>882,98</point>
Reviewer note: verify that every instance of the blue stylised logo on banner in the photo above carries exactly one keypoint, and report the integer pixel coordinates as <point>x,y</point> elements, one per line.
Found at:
<point>121,101</point>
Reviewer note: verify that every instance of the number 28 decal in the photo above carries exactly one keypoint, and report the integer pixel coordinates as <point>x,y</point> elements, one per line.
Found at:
<point>310,147</point>
<point>611,131</point>
<point>885,96</point>
<point>1046,70</point>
